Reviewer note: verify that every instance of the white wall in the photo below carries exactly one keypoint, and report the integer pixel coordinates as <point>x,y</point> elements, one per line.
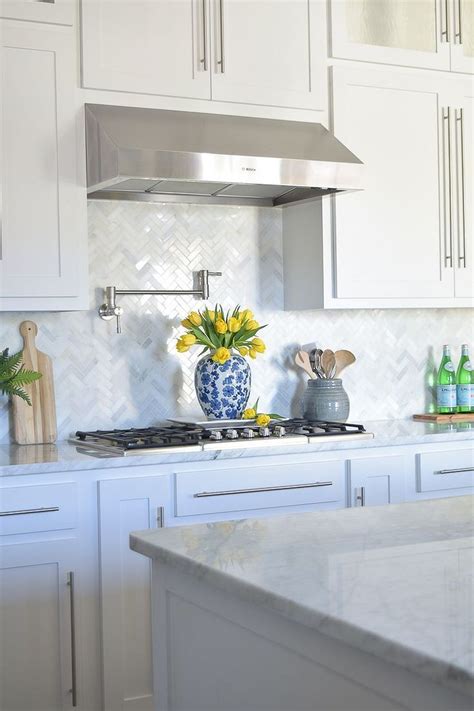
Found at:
<point>137,378</point>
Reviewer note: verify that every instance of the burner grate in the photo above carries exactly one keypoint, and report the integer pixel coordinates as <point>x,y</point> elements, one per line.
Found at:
<point>147,437</point>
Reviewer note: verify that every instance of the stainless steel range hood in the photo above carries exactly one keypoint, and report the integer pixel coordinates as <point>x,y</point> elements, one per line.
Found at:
<point>163,156</point>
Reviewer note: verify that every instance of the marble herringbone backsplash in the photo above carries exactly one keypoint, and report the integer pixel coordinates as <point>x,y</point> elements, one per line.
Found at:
<point>137,378</point>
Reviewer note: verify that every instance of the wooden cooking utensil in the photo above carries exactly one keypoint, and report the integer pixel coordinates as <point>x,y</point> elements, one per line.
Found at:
<point>35,424</point>
<point>343,359</point>
<point>302,361</point>
<point>328,363</point>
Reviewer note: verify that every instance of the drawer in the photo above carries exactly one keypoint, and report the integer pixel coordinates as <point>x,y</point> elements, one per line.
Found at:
<point>42,507</point>
<point>243,488</point>
<point>445,470</point>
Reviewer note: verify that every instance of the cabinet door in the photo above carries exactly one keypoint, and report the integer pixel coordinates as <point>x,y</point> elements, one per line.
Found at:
<point>127,505</point>
<point>159,47</point>
<point>36,627</point>
<point>377,481</point>
<point>44,238</point>
<point>56,12</point>
<point>270,52</point>
<point>463,119</point>
<point>412,33</point>
<point>462,44</point>
<point>393,239</point>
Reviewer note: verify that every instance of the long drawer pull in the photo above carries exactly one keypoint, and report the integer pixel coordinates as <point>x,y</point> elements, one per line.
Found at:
<point>22,512</point>
<point>285,487</point>
<point>72,610</point>
<point>455,471</point>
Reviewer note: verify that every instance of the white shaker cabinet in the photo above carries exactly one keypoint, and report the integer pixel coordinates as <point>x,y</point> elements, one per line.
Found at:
<point>56,12</point>
<point>462,113</point>
<point>43,263</point>
<point>127,505</point>
<point>462,37</point>
<point>38,667</point>
<point>377,480</point>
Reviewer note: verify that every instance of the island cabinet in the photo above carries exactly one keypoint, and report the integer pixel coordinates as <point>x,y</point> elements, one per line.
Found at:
<point>406,239</point>
<point>433,35</point>
<point>377,481</point>
<point>43,262</point>
<point>259,52</point>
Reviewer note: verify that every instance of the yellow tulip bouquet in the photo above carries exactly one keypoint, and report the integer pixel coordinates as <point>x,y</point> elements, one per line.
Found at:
<point>220,332</point>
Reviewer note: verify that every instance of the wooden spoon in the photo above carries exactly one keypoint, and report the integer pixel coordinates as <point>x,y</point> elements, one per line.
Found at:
<point>343,359</point>
<point>328,362</point>
<point>302,361</point>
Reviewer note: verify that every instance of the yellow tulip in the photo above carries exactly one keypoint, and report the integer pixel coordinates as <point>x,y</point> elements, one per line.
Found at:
<point>258,345</point>
<point>234,324</point>
<point>245,315</point>
<point>211,314</point>
<point>252,353</point>
<point>243,351</point>
<point>195,318</point>
<point>220,325</point>
<point>249,414</point>
<point>221,355</point>
<point>189,339</point>
<point>252,325</point>
<point>181,347</point>
<point>263,420</point>
<point>186,323</point>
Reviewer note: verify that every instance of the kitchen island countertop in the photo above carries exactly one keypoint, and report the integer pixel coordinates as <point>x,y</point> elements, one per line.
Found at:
<point>393,581</point>
<point>17,460</point>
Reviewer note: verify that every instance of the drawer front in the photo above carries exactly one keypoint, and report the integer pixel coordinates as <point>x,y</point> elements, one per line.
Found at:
<point>209,491</point>
<point>445,470</point>
<point>43,507</point>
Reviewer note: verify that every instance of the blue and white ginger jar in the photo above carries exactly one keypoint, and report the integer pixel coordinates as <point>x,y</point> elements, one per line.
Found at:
<point>223,390</point>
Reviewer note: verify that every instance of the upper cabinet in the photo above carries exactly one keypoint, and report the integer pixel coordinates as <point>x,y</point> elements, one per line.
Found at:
<point>263,52</point>
<point>433,34</point>
<point>56,12</point>
<point>43,263</point>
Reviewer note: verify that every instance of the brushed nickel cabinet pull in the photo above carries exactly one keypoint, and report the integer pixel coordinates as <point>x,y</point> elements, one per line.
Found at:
<point>22,512</point>
<point>70,582</point>
<point>160,517</point>
<point>204,35</point>
<point>220,61</point>
<point>447,198</point>
<point>284,487</point>
<point>459,116</point>
<point>457,22</point>
<point>361,495</point>
<point>444,21</point>
<point>455,471</point>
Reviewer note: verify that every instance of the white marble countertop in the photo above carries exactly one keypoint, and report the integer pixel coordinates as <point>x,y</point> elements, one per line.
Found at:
<point>395,581</point>
<point>42,459</point>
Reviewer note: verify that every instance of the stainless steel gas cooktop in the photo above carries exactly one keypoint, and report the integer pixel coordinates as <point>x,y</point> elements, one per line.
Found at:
<point>188,437</point>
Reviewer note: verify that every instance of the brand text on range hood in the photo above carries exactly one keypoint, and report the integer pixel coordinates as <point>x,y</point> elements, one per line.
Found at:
<point>156,155</point>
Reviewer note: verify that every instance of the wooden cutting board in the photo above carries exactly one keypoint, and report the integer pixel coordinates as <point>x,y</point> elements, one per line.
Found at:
<point>35,424</point>
<point>437,417</point>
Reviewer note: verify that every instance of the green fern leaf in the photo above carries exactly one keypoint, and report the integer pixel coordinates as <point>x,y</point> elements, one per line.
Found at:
<point>19,392</point>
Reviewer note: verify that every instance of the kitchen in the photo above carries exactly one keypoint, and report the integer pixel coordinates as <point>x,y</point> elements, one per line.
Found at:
<point>385,272</point>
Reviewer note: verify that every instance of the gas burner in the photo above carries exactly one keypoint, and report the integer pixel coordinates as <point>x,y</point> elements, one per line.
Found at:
<point>188,437</point>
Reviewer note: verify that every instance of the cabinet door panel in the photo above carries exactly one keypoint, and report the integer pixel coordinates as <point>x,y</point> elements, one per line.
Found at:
<point>35,626</point>
<point>59,12</point>
<point>44,206</point>
<point>463,178</point>
<point>272,52</point>
<point>462,45</point>
<point>127,505</point>
<point>377,481</point>
<point>146,47</point>
<point>391,238</point>
<point>404,32</point>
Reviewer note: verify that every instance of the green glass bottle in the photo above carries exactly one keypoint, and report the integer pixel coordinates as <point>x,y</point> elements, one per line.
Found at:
<point>464,381</point>
<point>446,384</point>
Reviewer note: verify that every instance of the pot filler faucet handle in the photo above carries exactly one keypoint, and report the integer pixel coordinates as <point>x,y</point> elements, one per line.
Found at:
<point>109,309</point>
<point>204,275</point>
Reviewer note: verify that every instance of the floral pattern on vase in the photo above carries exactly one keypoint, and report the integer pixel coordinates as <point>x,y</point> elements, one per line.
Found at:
<point>223,390</point>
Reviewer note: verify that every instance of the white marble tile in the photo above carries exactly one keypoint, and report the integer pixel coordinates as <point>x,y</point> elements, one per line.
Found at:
<point>395,581</point>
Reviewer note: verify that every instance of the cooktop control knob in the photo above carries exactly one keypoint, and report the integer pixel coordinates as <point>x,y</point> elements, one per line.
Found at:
<point>264,432</point>
<point>279,431</point>
<point>216,435</point>
<point>247,433</point>
<point>232,434</point>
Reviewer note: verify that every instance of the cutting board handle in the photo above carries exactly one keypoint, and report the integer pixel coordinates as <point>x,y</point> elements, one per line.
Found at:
<point>29,331</point>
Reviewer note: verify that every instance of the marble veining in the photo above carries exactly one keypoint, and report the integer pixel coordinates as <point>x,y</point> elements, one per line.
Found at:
<point>395,581</point>
<point>16,460</point>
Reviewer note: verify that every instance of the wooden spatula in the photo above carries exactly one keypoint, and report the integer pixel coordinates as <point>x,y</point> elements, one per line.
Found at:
<point>343,359</point>
<point>328,363</point>
<point>35,424</point>
<point>302,361</point>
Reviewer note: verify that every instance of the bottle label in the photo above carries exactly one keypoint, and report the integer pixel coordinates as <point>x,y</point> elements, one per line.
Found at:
<point>449,366</point>
<point>446,395</point>
<point>467,365</point>
<point>464,393</point>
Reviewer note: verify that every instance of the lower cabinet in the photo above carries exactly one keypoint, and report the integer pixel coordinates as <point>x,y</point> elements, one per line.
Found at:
<point>127,505</point>
<point>38,669</point>
<point>377,481</point>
